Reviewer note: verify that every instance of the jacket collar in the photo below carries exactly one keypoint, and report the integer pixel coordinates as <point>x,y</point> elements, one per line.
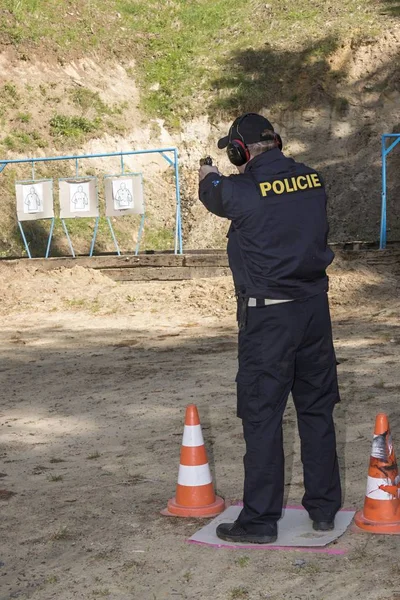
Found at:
<point>264,159</point>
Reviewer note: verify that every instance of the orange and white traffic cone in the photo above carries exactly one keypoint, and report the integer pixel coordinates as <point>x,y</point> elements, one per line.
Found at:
<point>195,496</point>
<point>381,513</point>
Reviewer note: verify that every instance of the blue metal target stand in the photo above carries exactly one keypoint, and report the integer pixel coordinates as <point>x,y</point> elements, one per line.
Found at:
<point>77,180</point>
<point>169,154</point>
<point>142,213</point>
<point>394,139</point>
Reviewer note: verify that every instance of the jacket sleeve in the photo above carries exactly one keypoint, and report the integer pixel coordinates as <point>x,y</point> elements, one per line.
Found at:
<point>210,194</point>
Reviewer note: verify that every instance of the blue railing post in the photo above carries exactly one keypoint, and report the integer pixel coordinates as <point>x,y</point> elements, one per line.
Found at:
<point>382,243</point>
<point>178,235</point>
<point>385,152</point>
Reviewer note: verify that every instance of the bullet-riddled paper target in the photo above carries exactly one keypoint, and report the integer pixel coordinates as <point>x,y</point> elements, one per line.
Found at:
<point>124,195</point>
<point>78,198</point>
<point>34,200</point>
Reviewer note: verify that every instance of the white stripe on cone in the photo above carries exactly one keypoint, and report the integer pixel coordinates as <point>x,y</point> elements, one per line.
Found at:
<point>192,436</point>
<point>373,490</point>
<point>194,476</point>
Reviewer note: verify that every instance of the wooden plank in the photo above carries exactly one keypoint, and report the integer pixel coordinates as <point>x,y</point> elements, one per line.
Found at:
<point>353,246</point>
<point>131,262</point>
<point>162,274</point>
<point>202,260</point>
<point>47,264</point>
<point>150,260</point>
<point>110,262</point>
<point>378,259</point>
<point>208,260</point>
<point>369,255</point>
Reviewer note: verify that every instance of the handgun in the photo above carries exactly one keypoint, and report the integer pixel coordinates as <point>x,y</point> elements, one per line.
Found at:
<point>206,161</point>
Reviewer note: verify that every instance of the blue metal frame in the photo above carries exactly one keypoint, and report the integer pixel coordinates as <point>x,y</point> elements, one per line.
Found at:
<point>164,152</point>
<point>385,152</point>
<point>141,226</point>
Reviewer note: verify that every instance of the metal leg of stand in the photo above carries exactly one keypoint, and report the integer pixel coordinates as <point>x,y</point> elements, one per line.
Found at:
<point>68,238</point>
<point>141,227</point>
<point>50,237</point>
<point>176,230</point>
<point>96,227</point>
<point>113,236</point>
<point>24,240</point>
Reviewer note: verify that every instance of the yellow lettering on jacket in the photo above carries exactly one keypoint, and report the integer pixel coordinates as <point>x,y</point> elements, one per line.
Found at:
<point>302,186</point>
<point>316,180</point>
<point>294,184</point>
<point>278,186</point>
<point>287,186</point>
<point>265,188</point>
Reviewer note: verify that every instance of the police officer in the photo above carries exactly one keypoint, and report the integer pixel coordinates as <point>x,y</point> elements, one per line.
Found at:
<point>278,255</point>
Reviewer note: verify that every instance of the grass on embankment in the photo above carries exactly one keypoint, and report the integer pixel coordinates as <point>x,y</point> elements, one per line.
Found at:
<point>189,53</point>
<point>190,58</point>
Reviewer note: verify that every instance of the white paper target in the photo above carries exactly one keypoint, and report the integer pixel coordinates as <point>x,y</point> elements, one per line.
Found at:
<point>33,200</point>
<point>123,194</point>
<point>78,198</point>
<point>79,194</point>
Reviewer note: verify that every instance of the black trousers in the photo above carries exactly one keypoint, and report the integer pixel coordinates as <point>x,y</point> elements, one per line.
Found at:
<point>288,348</point>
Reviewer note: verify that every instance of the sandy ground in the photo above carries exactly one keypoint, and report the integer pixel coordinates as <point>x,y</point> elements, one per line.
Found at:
<point>95,377</point>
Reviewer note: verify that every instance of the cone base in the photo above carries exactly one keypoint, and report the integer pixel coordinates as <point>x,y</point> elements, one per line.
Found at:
<point>177,510</point>
<point>378,527</point>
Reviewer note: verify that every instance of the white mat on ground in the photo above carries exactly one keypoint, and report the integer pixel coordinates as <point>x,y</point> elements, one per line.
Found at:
<point>294,531</point>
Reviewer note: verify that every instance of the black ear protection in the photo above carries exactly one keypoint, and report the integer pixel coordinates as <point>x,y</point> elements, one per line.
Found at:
<point>238,152</point>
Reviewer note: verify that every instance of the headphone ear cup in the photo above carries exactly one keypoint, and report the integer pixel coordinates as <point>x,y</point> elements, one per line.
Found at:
<point>238,153</point>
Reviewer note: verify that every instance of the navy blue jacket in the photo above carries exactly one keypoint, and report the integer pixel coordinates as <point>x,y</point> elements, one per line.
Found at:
<point>277,242</point>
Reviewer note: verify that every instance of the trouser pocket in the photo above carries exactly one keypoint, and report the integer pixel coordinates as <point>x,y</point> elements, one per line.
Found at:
<point>259,396</point>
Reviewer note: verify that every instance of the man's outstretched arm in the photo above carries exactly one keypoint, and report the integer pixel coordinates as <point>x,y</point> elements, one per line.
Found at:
<point>210,190</point>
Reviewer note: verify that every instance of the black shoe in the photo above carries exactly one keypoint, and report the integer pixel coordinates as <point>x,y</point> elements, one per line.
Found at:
<point>323,525</point>
<point>233,532</point>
